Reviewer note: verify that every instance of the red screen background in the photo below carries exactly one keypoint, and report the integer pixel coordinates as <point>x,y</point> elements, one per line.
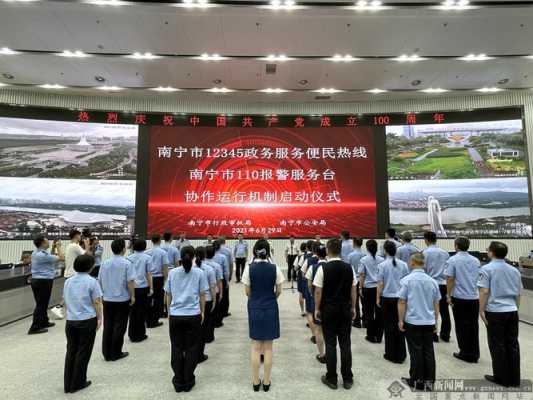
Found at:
<point>169,181</point>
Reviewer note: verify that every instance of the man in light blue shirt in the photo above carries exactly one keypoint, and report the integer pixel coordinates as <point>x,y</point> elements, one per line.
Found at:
<point>407,249</point>
<point>436,259</point>
<point>182,241</point>
<point>354,259</point>
<point>142,264</point>
<point>462,271</point>
<point>97,251</point>
<point>210,302</point>
<point>160,264</point>
<point>346,246</point>
<point>418,314</point>
<point>222,258</point>
<point>43,272</point>
<point>219,275</point>
<point>500,286</point>
<point>240,252</point>
<point>117,279</point>
<point>173,253</point>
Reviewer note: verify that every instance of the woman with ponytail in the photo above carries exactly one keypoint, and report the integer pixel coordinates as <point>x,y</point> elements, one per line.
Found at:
<point>185,295</point>
<point>210,298</point>
<point>262,283</point>
<point>368,282</point>
<point>390,272</point>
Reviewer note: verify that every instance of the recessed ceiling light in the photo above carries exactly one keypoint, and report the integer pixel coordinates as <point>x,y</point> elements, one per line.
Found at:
<point>276,57</point>
<point>368,5</point>
<point>8,76</point>
<point>165,89</point>
<point>342,58</point>
<point>489,90</point>
<point>3,84</point>
<point>74,54</point>
<point>217,81</point>
<point>20,1</point>
<point>194,4</point>
<point>416,82</point>
<point>107,2</point>
<point>454,5</point>
<point>503,81</point>
<point>110,88</point>
<point>434,90</point>
<point>219,90</point>
<point>327,90</point>
<point>274,91</point>
<point>6,51</point>
<point>303,82</point>
<point>142,56</point>
<point>210,57</point>
<point>475,57</point>
<point>376,91</point>
<point>54,86</point>
<point>409,58</point>
<point>99,78</point>
<point>282,5</point>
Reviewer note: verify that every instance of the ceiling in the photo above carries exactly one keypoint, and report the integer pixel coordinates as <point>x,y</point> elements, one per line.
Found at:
<point>253,32</point>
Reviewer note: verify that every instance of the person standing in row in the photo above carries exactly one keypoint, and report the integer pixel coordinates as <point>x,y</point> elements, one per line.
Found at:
<point>219,274</point>
<point>74,250</point>
<point>309,264</point>
<point>209,240</point>
<point>83,301</point>
<point>160,266</point>
<point>291,253</point>
<point>368,283</point>
<point>173,253</point>
<point>418,314</point>
<point>229,262</point>
<point>262,282</point>
<point>335,308</point>
<point>185,291</point>
<point>462,271</point>
<point>407,249</point>
<point>117,279</point>
<point>43,272</point>
<point>436,259</point>
<point>354,259</point>
<point>182,241</point>
<point>347,246</point>
<point>390,234</point>
<point>221,259</point>
<point>390,273</point>
<point>210,298</point>
<point>142,265</point>
<point>500,286</point>
<point>240,253</point>
<point>97,251</point>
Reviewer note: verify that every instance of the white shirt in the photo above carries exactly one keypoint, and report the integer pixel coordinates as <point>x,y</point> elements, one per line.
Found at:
<point>309,273</point>
<point>246,274</point>
<point>319,277</point>
<point>72,251</point>
<point>291,249</point>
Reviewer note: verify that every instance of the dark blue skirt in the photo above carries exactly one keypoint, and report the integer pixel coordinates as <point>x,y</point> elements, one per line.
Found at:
<point>300,282</point>
<point>264,323</point>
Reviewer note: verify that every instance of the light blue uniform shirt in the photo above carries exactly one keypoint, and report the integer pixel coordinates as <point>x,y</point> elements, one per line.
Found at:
<point>381,251</point>
<point>80,292</point>
<point>421,293</point>
<point>114,275</point>
<point>464,268</point>
<point>355,257</point>
<point>142,264</point>
<point>180,244</point>
<point>159,259</point>
<point>221,259</point>
<point>504,283</point>
<point>240,250</point>
<point>185,289</point>
<point>43,264</point>
<point>227,253</point>
<point>368,265</point>
<point>405,251</point>
<point>98,251</point>
<point>391,276</point>
<point>173,254</point>
<point>435,260</point>
<point>346,249</point>
<point>211,279</point>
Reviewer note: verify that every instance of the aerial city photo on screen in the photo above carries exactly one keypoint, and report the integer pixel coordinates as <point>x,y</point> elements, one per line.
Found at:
<point>56,175</point>
<point>459,178</point>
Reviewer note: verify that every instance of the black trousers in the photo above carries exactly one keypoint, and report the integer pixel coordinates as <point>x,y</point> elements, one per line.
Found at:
<point>115,324</point>
<point>138,311</point>
<point>358,303</point>
<point>42,291</point>
<point>502,334</point>
<point>157,302</point>
<point>372,313</point>
<point>466,317</point>
<point>80,342</point>
<point>240,264</point>
<point>445,325</point>
<point>206,336</point>
<point>224,303</point>
<point>394,338</point>
<point>420,345</point>
<point>185,337</point>
<point>291,276</point>
<point>337,326</point>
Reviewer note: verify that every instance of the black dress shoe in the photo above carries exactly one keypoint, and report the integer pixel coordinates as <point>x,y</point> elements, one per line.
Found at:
<point>203,358</point>
<point>256,387</point>
<point>408,382</point>
<point>329,384</point>
<point>122,355</point>
<point>370,339</point>
<point>321,359</point>
<point>188,388</point>
<point>492,379</point>
<point>220,325</point>
<point>50,325</point>
<point>84,386</point>
<point>445,339</point>
<point>435,338</point>
<point>347,385</point>
<point>37,331</point>
<point>266,387</point>
<point>227,315</point>
<point>356,324</point>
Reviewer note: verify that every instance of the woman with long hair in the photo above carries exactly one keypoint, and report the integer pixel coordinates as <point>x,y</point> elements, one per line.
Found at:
<point>185,295</point>
<point>262,283</point>
<point>390,272</point>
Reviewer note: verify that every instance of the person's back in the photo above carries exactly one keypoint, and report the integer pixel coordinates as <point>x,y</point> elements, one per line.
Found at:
<point>406,250</point>
<point>262,284</point>
<point>504,283</point>
<point>338,282</point>
<point>79,293</point>
<point>142,265</point>
<point>369,267</point>
<point>390,272</point>
<point>185,288</point>
<point>114,275</point>
<point>420,291</point>
<point>72,251</point>
<point>435,263</point>
<point>464,268</point>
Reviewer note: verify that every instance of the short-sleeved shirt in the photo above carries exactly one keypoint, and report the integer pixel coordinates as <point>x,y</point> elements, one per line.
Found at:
<point>80,293</point>
<point>221,259</point>
<point>98,251</point>
<point>382,249</point>
<point>185,289</point>
<point>346,249</point>
<point>354,258</point>
<point>504,283</point>
<point>173,254</point>
<point>210,274</point>
<point>391,275</point>
<point>142,264</point>
<point>246,274</point>
<point>435,262</point>
<point>159,260</point>
<point>114,275</point>
<point>309,274</point>
<point>405,251</point>
<point>240,250</point>
<point>43,264</point>
<point>368,265</point>
<point>227,253</point>
<point>72,251</point>
<point>319,276</point>
<point>421,292</point>
<point>464,268</point>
